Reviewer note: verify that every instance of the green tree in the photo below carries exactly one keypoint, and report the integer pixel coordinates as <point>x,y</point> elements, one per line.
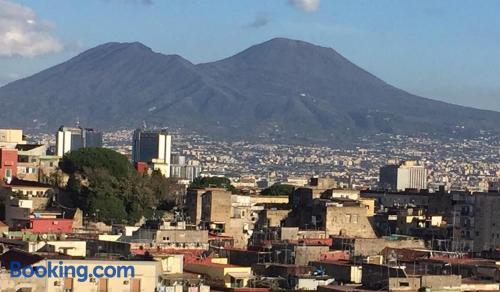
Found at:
<point>103,182</point>
<point>97,158</point>
<point>214,182</point>
<point>278,189</point>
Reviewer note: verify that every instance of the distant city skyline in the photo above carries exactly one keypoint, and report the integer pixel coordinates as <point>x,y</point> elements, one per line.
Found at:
<point>445,50</point>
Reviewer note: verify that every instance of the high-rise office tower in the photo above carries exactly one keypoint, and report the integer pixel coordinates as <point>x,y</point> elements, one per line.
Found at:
<point>154,148</point>
<point>74,138</point>
<point>388,177</point>
<point>92,138</point>
<point>407,175</point>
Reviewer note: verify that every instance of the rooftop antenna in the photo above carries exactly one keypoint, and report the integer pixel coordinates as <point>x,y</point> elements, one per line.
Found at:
<point>78,122</point>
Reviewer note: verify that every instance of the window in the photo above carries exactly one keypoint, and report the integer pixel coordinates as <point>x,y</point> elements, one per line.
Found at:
<point>8,173</point>
<point>404,284</point>
<point>354,219</point>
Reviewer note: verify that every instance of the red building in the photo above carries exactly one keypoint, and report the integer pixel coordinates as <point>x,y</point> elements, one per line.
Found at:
<point>51,225</point>
<point>141,167</point>
<point>8,163</point>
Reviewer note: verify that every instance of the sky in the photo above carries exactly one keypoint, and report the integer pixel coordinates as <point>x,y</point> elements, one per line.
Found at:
<point>442,49</point>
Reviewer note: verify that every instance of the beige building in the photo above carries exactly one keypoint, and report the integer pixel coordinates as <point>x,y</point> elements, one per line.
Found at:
<point>28,162</point>
<point>222,275</point>
<point>11,137</point>
<point>347,220</point>
<point>30,188</point>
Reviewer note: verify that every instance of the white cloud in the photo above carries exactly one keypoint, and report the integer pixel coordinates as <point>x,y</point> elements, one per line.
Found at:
<point>22,34</point>
<point>305,5</point>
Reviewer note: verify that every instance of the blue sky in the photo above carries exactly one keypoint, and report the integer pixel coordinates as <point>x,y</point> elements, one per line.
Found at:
<point>442,49</point>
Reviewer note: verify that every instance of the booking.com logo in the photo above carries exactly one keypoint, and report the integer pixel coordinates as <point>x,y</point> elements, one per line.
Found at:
<point>60,270</point>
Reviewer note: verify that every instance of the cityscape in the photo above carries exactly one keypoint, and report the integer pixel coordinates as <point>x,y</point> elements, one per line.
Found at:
<point>243,152</point>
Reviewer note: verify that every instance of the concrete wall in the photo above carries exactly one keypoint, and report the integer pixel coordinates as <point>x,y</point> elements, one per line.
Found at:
<point>342,272</point>
<point>269,199</point>
<point>194,205</point>
<point>216,206</point>
<point>440,282</point>
<point>181,236</point>
<point>348,221</point>
<point>487,221</point>
<point>404,284</point>
<point>273,218</point>
<point>308,253</point>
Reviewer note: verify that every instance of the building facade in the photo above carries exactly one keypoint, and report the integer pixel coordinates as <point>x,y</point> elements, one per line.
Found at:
<point>74,138</point>
<point>153,147</point>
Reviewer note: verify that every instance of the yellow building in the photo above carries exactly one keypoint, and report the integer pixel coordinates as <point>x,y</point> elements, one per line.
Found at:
<point>221,274</point>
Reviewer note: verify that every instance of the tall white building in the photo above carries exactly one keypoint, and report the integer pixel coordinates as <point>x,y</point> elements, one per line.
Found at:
<point>410,175</point>
<point>153,147</point>
<point>74,138</point>
<point>407,175</point>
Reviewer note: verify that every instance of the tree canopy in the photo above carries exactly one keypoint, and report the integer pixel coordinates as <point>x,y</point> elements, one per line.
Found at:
<point>104,184</point>
<point>214,182</point>
<point>278,189</point>
<point>97,158</point>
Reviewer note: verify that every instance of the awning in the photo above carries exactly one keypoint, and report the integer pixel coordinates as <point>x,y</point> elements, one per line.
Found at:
<point>239,275</point>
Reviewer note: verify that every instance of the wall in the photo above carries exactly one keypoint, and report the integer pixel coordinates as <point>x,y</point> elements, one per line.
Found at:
<point>72,248</point>
<point>172,264</point>
<point>51,225</point>
<point>218,273</point>
<point>348,221</point>
<point>216,206</point>
<point>342,271</point>
<point>193,204</point>
<point>181,236</point>
<point>273,218</point>
<point>8,163</point>
<point>486,221</point>
<point>269,199</point>
<point>308,253</point>
<point>404,284</point>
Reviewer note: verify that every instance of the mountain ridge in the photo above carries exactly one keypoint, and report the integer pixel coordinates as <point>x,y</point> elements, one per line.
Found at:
<point>281,89</point>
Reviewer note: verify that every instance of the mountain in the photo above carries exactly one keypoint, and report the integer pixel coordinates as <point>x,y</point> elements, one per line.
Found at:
<point>283,89</point>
